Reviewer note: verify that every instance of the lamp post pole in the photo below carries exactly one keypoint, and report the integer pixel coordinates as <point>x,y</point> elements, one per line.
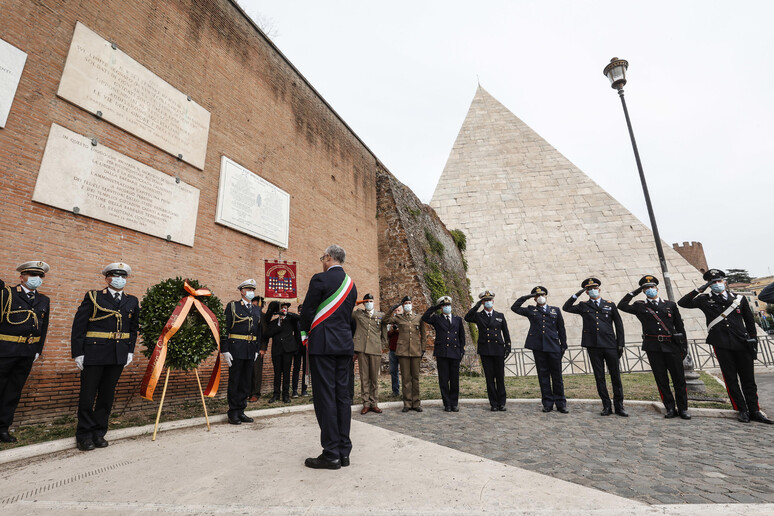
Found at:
<point>616,72</point>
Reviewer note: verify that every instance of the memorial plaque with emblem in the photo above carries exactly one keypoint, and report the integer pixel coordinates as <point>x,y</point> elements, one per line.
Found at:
<point>11,65</point>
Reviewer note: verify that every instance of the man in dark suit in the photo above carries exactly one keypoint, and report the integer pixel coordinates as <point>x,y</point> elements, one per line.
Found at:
<point>24,314</point>
<point>255,386</point>
<point>327,320</point>
<point>732,335</point>
<point>494,344</point>
<point>663,340</point>
<point>102,342</point>
<point>603,338</point>
<point>284,343</point>
<point>547,339</point>
<point>448,350</point>
<point>240,350</point>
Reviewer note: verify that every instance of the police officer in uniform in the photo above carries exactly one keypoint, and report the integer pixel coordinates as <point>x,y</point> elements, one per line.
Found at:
<point>603,338</point>
<point>240,350</point>
<point>24,314</point>
<point>663,340</point>
<point>284,333</point>
<point>102,342</point>
<point>369,337</point>
<point>732,335</point>
<point>547,339</point>
<point>494,344</point>
<point>409,349</point>
<point>448,351</point>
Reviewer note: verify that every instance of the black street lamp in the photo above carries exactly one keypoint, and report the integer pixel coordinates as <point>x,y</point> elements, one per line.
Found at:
<point>616,72</point>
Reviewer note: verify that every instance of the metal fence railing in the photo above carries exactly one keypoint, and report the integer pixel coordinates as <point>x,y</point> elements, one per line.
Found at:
<point>575,361</point>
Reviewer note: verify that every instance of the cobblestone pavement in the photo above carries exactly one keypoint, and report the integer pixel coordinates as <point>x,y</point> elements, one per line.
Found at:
<point>643,457</point>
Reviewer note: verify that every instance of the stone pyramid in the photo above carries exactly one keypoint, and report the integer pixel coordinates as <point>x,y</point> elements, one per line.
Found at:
<point>533,218</point>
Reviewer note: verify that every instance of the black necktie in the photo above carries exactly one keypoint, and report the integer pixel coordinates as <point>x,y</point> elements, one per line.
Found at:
<point>31,295</point>
<point>117,297</point>
<point>448,318</point>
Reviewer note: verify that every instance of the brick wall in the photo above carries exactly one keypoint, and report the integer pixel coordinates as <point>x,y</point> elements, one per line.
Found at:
<point>265,116</point>
<point>694,254</point>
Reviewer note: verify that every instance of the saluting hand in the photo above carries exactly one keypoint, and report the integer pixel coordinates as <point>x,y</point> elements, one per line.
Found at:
<point>704,287</point>
<point>581,291</point>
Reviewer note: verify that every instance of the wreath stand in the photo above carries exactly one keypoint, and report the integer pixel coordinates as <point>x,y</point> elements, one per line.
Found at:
<point>164,393</point>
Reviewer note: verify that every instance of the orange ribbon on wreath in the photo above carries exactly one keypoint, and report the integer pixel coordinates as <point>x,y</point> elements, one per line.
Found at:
<point>159,355</point>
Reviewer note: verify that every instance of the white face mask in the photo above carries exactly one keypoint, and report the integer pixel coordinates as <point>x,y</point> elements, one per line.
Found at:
<point>369,305</point>
<point>249,295</point>
<point>34,282</point>
<point>488,305</point>
<point>541,300</point>
<point>593,293</point>
<point>446,309</point>
<point>118,282</point>
<point>407,307</point>
<point>718,288</point>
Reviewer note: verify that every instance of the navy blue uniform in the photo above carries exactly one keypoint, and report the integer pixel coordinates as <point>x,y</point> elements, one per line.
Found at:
<point>494,344</point>
<point>330,353</point>
<point>729,341</point>
<point>449,348</point>
<point>23,329</point>
<point>547,339</point>
<point>664,353</point>
<point>243,327</point>
<point>603,335</point>
<point>104,332</point>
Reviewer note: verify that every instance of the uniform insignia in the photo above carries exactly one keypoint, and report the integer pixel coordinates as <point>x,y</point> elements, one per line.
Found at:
<point>498,319</point>
<point>130,315</point>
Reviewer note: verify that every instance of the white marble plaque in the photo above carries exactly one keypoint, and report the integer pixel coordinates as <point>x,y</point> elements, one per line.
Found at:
<point>107,82</point>
<point>252,205</point>
<point>106,185</point>
<point>11,65</point>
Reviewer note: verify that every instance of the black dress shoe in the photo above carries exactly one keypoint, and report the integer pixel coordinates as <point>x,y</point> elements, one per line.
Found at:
<point>606,411</point>
<point>502,408</point>
<point>345,461</point>
<point>494,409</point>
<point>5,437</point>
<point>760,418</point>
<point>274,398</point>
<point>286,399</point>
<point>100,442</point>
<point>547,409</point>
<point>322,462</point>
<point>405,409</point>
<point>563,410</point>
<point>684,414</point>
<point>447,409</point>
<point>456,408</point>
<point>234,420</point>
<point>670,414</point>
<point>85,445</point>
<point>245,419</point>
<point>621,412</point>
<point>743,417</point>
<point>418,409</point>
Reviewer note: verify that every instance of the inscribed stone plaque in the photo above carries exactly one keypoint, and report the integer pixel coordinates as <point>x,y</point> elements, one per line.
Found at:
<point>252,205</point>
<point>106,185</point>
<point>107,82</point>
<point>11,65</point>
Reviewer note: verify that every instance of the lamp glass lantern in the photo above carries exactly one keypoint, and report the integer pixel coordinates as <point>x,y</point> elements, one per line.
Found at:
<point>616,72</point>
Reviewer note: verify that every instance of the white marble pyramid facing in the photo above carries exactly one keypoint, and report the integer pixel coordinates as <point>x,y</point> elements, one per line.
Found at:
<point>533,218</point>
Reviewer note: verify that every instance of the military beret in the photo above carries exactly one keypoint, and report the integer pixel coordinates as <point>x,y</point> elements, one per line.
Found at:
<point>714,274</point>
<point>590,282</point>
<point>648,281</point>
<point>539,291</point>
<point>444,300</point>
<point>117,269</point>
<point>248,283</point>
<point>487,294</point>
<point>40,267</point>
<point>367,296</point>
<point>405,299</point>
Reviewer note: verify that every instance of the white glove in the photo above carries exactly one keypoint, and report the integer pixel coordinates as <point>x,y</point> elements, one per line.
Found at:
<point>37,355</point>
<point>79,362</point>
<point>256,356</point>
<point>129,358</point>
<point>228,358</point>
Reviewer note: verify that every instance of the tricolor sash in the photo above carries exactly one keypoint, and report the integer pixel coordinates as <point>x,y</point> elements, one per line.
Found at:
<point>331,304</point>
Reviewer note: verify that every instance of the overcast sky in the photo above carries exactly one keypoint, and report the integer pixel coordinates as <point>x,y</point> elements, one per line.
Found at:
<point>402,75</point>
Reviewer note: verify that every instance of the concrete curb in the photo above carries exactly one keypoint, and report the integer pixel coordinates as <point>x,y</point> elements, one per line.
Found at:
<point>37,450</point>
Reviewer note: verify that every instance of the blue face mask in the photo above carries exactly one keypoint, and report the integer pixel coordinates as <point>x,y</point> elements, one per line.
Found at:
<point>594,293</point>
<point>249,295</point>
<point>446,310</point>
<point>717,288</point>
<point>118,282</point>
<point>34,282</point>
<point>651,293</point>
<point>488,305</point>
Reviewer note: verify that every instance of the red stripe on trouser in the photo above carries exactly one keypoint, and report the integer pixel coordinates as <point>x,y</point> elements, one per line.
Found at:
<point>733,403</point>
<point>661,394</point>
